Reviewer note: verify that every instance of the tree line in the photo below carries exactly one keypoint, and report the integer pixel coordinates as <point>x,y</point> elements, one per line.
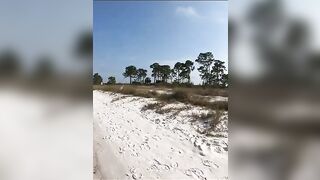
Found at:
<point>212,73</point>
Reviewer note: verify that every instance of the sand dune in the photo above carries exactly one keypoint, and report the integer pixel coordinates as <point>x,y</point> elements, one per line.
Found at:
<point>134,144</point>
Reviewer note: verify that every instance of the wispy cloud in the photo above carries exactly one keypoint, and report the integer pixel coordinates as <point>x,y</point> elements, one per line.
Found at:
<point>187,11</point>
<point>190,12</point>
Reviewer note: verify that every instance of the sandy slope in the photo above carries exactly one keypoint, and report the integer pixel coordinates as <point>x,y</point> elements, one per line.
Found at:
<point>135,144</point>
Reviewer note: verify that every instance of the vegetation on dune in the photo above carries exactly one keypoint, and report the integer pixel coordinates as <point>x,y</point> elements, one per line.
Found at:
<point>211,119</point>
<point>194,96</point>
<point>178,79</point>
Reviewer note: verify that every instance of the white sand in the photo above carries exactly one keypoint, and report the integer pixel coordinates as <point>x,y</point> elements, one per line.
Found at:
<point>134,144</point>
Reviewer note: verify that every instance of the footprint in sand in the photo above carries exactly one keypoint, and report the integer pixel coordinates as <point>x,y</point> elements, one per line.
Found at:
<point>153,167</point>
<point>135,174</point>
<point>107,137</point>
<point>146,138</point>
<point>135,154</point>
<point>174,165</point>
<point>121,150</point>
<point>145,146</point>
<point>195,173</point>
<point>157,121</point>
<point>157,165</point>
<point>156,137</point>
<point>218,149</point>
<point>209,163</point>
<point>123,138</point>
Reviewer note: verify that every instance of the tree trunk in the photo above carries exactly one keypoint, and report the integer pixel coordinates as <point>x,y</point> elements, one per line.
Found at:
<point>130,79</point>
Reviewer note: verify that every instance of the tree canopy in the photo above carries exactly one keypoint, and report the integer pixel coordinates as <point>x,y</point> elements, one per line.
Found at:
<point>111,80</point>
<point>97,79</point>
<point>141,74</point>
<point>131,72</point>
<point>211,70</point>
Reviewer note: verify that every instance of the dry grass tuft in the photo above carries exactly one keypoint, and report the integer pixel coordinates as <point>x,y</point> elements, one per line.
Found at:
<point>158,107</point>
<point>153,106</point>
<point>215,119</point>
<point>118,98</point>
<point>180,96</point>
<point>212,119</point>
<point>204,91</point>
<point>164,110</point>
<point>194,96</point>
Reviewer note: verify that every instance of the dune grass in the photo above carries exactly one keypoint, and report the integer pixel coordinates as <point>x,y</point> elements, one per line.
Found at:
<point>195,96</point>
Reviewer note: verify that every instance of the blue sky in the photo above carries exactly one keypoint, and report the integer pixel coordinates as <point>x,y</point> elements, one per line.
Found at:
<point>141,33</point>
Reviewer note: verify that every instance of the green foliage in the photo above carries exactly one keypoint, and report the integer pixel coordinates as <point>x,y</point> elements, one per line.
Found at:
<point>111,80</point>
<point>97,79</point>
<point>188,67</point>
<point>141,75</point>
<point>217,73</point>
<point>205,60</point>
<point>131,72</point>
<point>212,75</point>
<point>165,72</point>
<point>178,67</point>
<point>155,71</point>
<point>181,71</point>
<point>147,80</point>
<point>160,73</point>
<point>224,80</point>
